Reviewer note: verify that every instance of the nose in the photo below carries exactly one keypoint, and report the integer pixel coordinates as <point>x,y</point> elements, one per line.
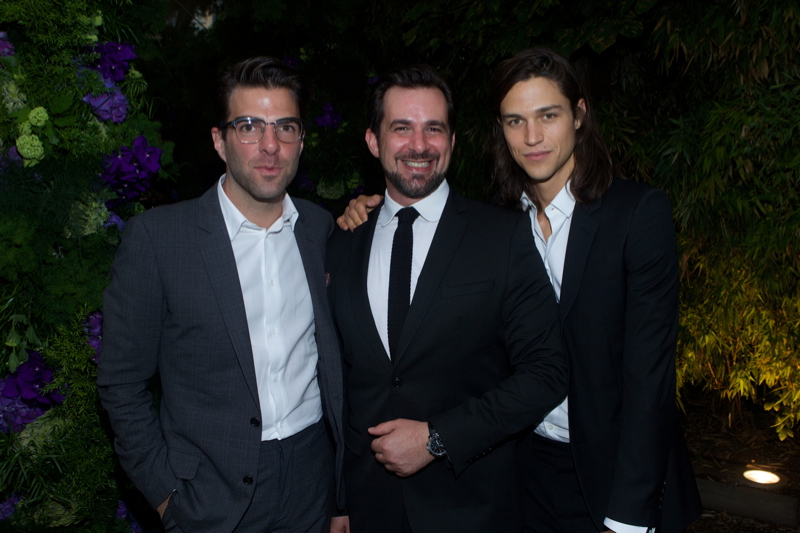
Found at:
<point>533,133</point>
<point>269,142</point>
<point>418,141</point>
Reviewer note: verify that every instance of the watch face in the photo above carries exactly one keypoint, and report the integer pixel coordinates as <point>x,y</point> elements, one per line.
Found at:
<point>435,446</point>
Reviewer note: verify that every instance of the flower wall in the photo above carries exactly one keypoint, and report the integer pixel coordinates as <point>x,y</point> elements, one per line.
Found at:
<point>79,155</point>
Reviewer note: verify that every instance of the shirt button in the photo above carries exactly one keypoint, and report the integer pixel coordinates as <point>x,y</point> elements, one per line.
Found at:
<point>247,480</point>
<point>272,282</point>
<point>255,422</point>
<point>272,331</point>
<point>549,426</point>
<point>397,383</point>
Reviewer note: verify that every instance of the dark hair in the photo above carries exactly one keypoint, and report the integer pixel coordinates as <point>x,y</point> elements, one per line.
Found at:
<point>593,171</point>
<point>268,73</point>
<point>412,77</point>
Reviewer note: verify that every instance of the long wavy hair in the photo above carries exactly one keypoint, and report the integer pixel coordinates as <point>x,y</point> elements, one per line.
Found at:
<point>593,170</point>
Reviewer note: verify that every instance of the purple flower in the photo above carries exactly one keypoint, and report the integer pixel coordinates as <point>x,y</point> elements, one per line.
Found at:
<point>27,381</point>
<point>114,220</point>
<point>129,172</point>
<point>294,62</point>
<point>372,80</point>
<point>8,507</point>
<point>122,510</point>
<point>109,106</point>
<point>147,156</point>
<point>93,326</point>
<point>16,414</point>
<point>6,48</point>
<point>113,61</point>
<point>330,118</point>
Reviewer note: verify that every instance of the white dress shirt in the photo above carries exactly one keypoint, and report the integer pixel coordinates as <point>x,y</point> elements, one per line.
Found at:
<point>280,318</point>
<point>430,211</point>
<point>553,250</point>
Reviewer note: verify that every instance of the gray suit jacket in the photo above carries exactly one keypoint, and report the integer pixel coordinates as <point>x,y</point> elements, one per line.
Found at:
<point>175,307</point>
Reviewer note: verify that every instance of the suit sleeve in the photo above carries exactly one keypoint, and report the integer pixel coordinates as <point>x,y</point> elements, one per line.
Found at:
<point>648,413</point>
<point>531,331</point>
<point>133,307</point>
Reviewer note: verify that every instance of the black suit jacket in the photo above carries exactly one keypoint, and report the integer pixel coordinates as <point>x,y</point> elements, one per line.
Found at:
<point>479,356</point>
<point>175,306</point>
<point>619,310</point>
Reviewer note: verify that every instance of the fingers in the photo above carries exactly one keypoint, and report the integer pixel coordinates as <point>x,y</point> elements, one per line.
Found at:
<point>383,428</point>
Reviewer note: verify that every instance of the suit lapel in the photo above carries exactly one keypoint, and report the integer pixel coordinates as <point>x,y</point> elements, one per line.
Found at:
<point>220,263</point>
<point>359,265</point>
<point>581,236</point>
<point>445,243</point>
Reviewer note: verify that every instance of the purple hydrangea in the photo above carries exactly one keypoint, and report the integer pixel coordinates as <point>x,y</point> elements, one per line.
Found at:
<point>111,105</point>
<point>372,80</point>
<point>129,171</point>
<point>93,326</point>
<point>27,381</point>
<point>113,61</point>
<point>6,48</point>
<point>8,506</point>
<point>330,118</point>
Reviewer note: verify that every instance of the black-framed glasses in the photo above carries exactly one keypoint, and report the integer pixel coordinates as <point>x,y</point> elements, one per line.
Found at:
<point>250,130</point>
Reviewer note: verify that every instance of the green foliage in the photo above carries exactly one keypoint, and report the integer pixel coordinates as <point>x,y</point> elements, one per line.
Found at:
<point>63,462</point>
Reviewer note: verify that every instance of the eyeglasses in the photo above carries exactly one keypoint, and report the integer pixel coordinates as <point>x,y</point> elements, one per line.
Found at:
<point>250,130</point>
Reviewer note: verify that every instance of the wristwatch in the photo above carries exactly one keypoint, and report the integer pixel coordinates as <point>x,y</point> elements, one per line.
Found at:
<point>435,446</point>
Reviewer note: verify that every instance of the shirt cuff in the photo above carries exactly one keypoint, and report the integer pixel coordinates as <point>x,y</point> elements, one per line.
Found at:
<point>619,527</point>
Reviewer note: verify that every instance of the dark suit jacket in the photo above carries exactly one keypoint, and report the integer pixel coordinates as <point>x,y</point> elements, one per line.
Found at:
<point>479,356</point>
<point>619,310</point>
<point>175,306</point>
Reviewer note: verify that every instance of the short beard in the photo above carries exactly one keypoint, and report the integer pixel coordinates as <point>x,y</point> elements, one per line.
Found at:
<point>408,188</point>
<point>416,187</point>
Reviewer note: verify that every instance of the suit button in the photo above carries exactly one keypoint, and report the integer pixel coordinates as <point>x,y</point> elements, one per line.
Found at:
<point>255,422</point>
<point>247,480</point>
<point>397,383</point>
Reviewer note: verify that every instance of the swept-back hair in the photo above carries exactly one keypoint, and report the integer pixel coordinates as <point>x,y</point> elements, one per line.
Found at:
<point>593,171</point>
<point>412,77</point>
<point>267,73</point>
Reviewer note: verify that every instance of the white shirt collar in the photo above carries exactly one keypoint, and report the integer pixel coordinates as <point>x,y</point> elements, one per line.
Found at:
<point>564,201</point>
<point>430,208</point>
<point>234,219</point>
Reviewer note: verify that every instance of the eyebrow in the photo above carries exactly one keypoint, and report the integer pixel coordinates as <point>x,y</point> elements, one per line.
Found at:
<point>406,122</point>
<point>538,111</point>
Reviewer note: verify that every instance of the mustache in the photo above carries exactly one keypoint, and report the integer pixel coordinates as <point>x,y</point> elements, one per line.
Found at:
<point>411,155</point>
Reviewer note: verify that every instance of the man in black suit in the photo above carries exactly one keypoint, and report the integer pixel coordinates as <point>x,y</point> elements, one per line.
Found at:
<point>224,297</point>
<point>437,389</point>
<point>612,455</point>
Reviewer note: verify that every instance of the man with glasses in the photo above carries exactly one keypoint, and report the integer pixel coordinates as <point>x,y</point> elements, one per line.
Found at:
<point>224,297</point>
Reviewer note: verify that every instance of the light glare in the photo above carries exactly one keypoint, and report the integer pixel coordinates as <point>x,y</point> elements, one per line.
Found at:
<point>762,477</point>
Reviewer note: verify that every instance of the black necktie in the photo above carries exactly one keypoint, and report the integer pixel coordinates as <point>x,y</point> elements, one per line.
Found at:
<point>400,276</point>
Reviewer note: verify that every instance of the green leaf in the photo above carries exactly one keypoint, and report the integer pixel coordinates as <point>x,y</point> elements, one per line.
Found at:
<point>13,339</point>
<point>63,122</point>
<point>60,103</point>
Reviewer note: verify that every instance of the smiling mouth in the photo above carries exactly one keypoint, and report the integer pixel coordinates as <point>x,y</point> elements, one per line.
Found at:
<point>417,164</point>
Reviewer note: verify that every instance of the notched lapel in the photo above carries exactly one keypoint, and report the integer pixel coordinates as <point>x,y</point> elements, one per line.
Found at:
<point>359,298</point>
<point>220,263</point>
<point>581,236</point>
<point>448,236</point>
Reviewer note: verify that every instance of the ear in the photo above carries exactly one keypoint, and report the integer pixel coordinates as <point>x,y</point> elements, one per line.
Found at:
<point>372,143</point>
<point>219,143</point>
<point>453,141</point>
<point>579,116</point>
